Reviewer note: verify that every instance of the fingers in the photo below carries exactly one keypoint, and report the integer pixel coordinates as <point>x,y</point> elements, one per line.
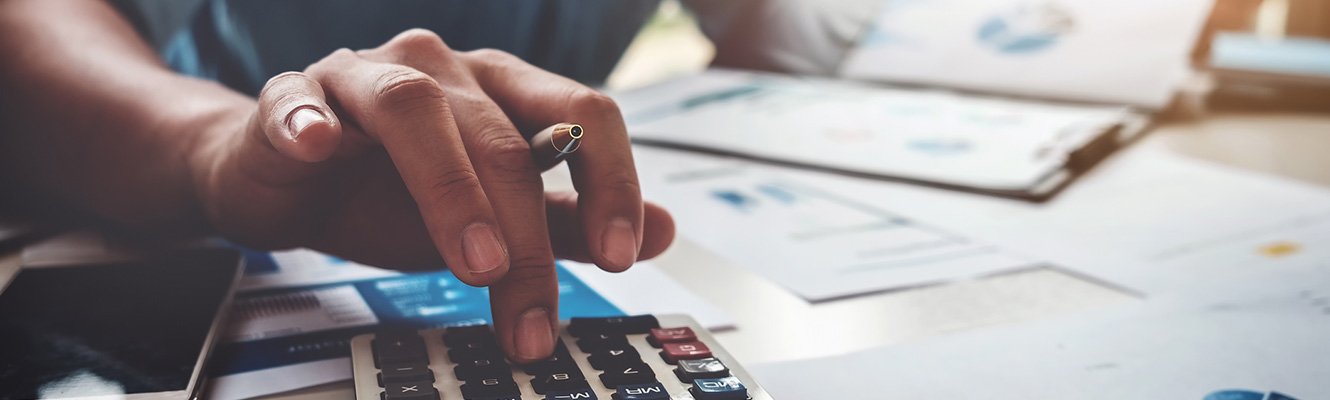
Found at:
<point>570,243</point>
<point>406,111</point>
<point>524,303</point>
<point>529,293</point>
<point>610,204</point>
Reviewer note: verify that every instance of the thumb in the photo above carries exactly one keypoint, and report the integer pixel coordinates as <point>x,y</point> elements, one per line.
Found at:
<point>292,132</point>
<point>296,119</point>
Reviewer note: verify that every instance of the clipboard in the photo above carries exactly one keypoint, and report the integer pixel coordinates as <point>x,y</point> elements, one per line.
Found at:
<point>1021,149</point>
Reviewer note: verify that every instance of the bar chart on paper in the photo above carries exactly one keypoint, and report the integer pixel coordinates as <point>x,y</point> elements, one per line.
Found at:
<point>815,243</point>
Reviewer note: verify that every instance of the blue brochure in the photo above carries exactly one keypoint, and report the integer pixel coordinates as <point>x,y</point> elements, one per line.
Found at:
<point>303,307</point>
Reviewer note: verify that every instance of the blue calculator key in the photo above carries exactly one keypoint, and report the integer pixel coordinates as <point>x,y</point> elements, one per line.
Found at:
<point>582,394</point>
<point>727,388</point>
<point>654,391</point>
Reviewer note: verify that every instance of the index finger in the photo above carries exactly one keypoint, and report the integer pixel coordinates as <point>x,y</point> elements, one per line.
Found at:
<point>610,201</point>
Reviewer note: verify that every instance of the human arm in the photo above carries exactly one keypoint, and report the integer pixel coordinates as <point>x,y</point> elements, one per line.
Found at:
<point>402,156</point>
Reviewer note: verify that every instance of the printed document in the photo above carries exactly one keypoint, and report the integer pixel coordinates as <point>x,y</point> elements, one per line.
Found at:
<point>817,243</point>
<point>1147,221</point>
<point>930,136</point>
<point>1132,52</point>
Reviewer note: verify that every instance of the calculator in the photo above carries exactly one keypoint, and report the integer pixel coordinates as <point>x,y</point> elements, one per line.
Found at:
<point>643,357</point>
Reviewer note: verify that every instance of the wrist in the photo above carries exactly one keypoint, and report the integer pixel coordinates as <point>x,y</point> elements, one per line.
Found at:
<point>218,135</point>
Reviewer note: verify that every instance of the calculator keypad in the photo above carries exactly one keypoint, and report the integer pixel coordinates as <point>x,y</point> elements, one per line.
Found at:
<point>614,359</point>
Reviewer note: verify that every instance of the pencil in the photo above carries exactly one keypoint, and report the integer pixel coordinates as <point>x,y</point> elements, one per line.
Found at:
<point>555,143</point>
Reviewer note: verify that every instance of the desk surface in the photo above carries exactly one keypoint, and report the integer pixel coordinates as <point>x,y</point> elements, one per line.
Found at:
<point>775,325</point>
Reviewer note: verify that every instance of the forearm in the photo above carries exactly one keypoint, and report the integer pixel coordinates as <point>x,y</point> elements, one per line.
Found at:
<point>90,116</point>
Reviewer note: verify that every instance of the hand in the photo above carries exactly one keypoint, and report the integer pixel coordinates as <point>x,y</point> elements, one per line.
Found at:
<point>411,153</point>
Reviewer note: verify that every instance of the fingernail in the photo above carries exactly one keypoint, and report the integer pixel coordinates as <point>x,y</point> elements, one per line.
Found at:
<point>303,118</point>
<point>482,248</point>
<point>535,338</point>
<point>619,243</point>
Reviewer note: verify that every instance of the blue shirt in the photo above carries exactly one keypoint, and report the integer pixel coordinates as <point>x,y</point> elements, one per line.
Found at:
<point>242,43</point>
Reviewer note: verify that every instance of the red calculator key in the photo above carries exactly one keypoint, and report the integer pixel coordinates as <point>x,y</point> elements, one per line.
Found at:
<point>685,351</point>
<point>672,335</point>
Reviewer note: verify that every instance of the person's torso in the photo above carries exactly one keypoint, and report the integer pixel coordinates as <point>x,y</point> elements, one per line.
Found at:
<point>242,43</point>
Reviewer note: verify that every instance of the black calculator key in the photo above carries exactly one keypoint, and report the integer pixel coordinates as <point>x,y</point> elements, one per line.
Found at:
<point>650,391</point>
<point>396,350</point>
<point>559,382</point>
<point>410,391</point>
<point>474,350</point>
<point>481,368</point>
<point>560,361</point>
<point>405,373</point>
<point>638,374</point>
<point>581,327</point>
<point>609,359</point>
<point>550,366</point>
<point>490,388</point>
<point>706,368</point>
<point>581,394</point>
<point>459,335</point>
<point>594,342</point>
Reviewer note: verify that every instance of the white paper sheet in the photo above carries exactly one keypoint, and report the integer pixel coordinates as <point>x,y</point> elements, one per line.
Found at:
<point>1145,220</point>
<point>932,136</point>
<point>817,243</point>
<point>1263,332</point>
<point>1123,52</point>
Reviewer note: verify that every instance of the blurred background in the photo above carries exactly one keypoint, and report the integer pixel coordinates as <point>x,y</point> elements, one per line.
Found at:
<point>672,45</point>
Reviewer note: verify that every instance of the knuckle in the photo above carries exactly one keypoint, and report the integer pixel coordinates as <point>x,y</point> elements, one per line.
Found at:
<point>337,57</point>
<point>491,62</point>
<point>494,57</point>
<point>343,53</point>
<point>453,185</point>
<point>325,65</point>
<point>508,153</point>
<point>530,267</point>
<point>589,100</point>
<point>418,40</point>
<point>404,87</point>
